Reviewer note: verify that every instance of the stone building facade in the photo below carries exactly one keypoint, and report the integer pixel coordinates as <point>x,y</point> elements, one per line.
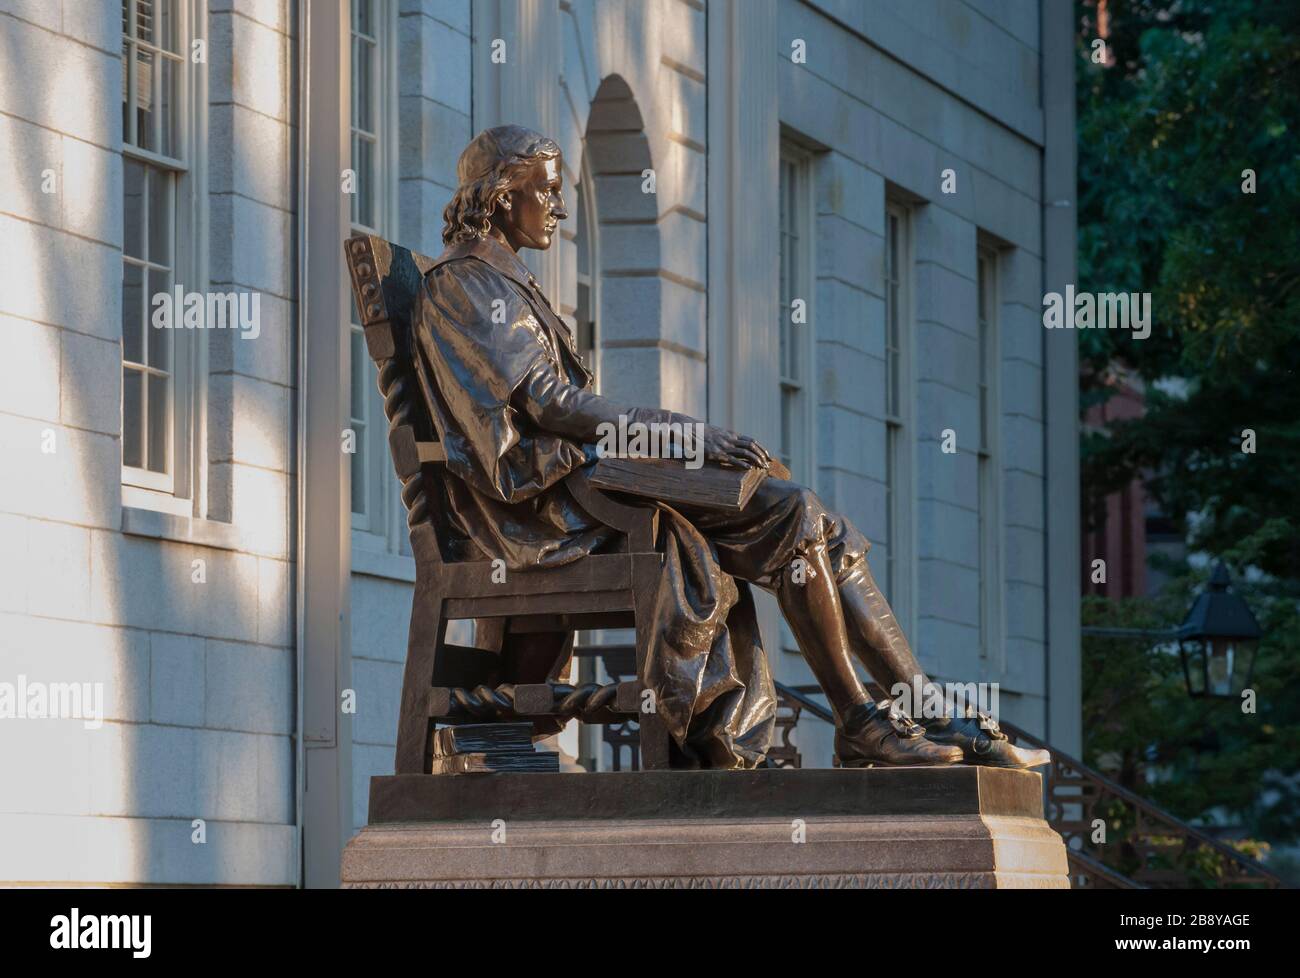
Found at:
<point>826,223</point>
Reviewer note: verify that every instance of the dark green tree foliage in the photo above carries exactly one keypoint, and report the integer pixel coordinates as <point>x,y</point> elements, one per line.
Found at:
<point>1197,92</point>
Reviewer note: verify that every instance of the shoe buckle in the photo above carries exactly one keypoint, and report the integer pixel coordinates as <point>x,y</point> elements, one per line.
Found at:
<point>903,724</point>
<point>986,723</point>
<point>990,726</point>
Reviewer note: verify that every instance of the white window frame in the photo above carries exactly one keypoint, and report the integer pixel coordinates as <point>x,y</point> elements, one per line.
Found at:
<point>900,439</point>
<point>179,490</point>
<point>796,228</point>
<point>798,232</point>
<point>991,590</point>
<point>380,526</point>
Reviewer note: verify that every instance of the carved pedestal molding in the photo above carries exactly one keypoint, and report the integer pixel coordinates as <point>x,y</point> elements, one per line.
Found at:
<point>964,828</point>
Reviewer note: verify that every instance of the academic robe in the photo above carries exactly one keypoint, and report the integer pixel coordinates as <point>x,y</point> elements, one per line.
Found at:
<point>512,404</point>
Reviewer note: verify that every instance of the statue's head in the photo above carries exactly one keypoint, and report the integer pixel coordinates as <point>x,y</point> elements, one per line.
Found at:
<point>510,186</point>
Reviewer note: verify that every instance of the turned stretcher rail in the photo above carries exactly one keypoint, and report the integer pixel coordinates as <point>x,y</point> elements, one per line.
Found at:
<point>590,702</point>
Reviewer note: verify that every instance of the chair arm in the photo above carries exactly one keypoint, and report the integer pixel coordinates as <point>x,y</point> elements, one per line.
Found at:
<point>638,522</point>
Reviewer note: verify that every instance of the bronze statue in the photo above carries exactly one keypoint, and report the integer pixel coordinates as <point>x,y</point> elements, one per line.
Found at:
<point>511,401</point>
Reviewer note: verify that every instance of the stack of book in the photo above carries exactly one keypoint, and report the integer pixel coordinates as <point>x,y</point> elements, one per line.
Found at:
<point>479,747</point>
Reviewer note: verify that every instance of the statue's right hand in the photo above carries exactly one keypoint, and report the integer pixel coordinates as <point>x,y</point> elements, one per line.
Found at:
<point>728,448</point>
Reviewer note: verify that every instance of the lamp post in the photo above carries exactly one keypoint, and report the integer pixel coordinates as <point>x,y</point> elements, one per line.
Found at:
<point>1217,640</point>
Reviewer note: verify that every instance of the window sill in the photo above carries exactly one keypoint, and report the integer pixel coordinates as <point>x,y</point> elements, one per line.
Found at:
<point>181,529</point>
<point>156,501</point>
<point>373,563</point>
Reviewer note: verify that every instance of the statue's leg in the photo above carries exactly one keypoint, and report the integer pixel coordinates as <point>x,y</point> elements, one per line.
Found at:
<point>867,734</point>
<point>762,542</point>
<point>878,638</point>
<point>783,521</point>
<point>813,613</point>
<point>882,647</point>
<point>782,541</point>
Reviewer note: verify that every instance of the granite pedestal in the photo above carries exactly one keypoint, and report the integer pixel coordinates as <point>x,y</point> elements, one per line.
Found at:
<point>962,827</point>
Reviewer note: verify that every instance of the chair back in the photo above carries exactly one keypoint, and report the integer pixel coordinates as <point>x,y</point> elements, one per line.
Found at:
<point>385,281</point>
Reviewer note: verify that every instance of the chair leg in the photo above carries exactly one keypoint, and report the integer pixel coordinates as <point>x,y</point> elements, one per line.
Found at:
<point>428,632</point>
<point>645,589</point>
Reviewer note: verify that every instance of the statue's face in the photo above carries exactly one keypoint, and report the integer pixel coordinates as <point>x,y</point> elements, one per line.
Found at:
<point>529,215</point>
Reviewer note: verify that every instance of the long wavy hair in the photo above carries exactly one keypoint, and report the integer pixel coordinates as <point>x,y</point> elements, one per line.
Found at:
<point>487,169</point>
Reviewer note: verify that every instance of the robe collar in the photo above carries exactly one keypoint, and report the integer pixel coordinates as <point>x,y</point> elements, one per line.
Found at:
<point>488,249</point>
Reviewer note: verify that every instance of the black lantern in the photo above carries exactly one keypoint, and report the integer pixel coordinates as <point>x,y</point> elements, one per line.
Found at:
<point>1217,640</point>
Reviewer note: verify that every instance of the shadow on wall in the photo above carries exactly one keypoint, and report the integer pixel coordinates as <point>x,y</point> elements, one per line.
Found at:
<point>190,645</point>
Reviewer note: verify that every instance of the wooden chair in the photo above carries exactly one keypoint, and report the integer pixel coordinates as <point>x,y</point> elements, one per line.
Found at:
<point>524,623</point>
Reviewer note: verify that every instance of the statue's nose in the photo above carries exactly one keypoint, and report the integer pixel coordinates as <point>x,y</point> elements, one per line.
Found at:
<point>559,211</point>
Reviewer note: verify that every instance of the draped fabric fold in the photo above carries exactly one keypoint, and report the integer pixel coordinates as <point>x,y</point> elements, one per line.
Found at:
<point>709,671</point>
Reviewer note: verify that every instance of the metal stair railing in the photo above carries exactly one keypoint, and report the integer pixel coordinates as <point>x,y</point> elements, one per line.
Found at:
<point>1144,843</point>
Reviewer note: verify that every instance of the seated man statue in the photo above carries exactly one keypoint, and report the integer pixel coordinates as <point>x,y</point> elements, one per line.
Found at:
<point>512,404</point>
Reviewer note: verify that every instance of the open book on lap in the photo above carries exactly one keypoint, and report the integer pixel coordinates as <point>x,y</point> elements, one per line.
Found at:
<point>710,487</point>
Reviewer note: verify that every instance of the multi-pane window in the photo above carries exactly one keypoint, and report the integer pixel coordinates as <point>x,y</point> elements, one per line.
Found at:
<point>990,590</point>
<point>155,417</point>
<point>371,53</point>
<point>793,328</point>
<point>368,53</point>
<point>897,414</point>
<point>152,35</point>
